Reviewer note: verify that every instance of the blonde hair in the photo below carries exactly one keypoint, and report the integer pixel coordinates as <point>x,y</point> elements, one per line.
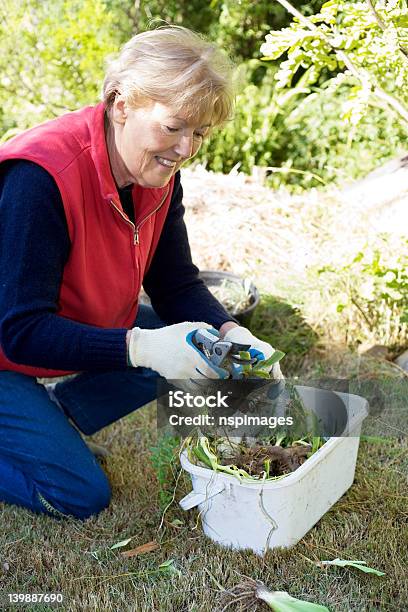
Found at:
<point>174,66</point>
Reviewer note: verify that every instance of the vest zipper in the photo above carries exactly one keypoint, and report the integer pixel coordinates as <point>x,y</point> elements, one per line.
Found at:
<point>136,228</point>
<point>128,221</point>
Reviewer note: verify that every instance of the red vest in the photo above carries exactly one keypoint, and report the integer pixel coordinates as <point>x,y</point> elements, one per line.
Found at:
<point>109,255</point>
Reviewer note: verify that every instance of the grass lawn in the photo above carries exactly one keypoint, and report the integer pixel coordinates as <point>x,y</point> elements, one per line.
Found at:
<point>40,554</point>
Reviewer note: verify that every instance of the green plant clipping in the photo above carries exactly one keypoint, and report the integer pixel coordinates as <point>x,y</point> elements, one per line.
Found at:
<point>281,601</point>
<point>169,568</point>
<point>268,363</point>
<point>219,454</point>
<point>360,565</point>
<point>241,461</point>
<point>260,369</point>
<point>121,544</point>
<point>250,592</point>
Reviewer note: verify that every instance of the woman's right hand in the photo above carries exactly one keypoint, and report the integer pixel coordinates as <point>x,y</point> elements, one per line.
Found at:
<point>168,351</point>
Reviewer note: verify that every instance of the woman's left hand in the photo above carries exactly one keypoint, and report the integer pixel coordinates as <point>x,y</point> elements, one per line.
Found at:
<point>242,335</point>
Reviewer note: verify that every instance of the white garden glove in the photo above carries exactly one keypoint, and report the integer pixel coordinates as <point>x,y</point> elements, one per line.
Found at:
<point>169,352</point>
<point>242,335</point>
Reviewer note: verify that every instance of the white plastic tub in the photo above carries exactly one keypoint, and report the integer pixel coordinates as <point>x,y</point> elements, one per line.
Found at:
<point>261,516</point>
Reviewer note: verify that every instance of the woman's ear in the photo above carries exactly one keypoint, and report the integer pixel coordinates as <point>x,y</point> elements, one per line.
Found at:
<point>119,110</point>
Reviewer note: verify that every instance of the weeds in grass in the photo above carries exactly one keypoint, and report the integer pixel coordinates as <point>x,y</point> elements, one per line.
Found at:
<point>164,458</point>
<point>370,293</point>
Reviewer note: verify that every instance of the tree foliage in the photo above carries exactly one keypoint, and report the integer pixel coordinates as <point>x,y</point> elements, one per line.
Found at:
<point>53,57</point>
<point>241,26</point>
<point>364,43</point>
<point>336,106</point>
<point>305,113</point>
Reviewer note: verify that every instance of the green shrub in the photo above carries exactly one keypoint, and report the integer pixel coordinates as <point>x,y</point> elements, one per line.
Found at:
<point>252,136</point>
<point>310,119</point>
<point>52,57</point>
<point>370,294</point>
<point>364,42</point>
<point>353,58</point>
<point>304,140</point>
<point>322,143</point>
<point>257,135</point>
<point>239,27</point>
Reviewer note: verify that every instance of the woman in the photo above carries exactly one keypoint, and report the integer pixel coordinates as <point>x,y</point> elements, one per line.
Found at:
<point>91,209</point>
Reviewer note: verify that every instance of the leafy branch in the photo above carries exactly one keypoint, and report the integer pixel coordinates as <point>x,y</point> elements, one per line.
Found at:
<point>381,24</point>
<point>367,80</point>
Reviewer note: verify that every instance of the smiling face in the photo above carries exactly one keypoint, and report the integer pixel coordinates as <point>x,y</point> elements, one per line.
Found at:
<point>148,145</point>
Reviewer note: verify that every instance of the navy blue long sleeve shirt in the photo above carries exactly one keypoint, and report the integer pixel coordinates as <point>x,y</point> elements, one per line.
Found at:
<point>34,247</point>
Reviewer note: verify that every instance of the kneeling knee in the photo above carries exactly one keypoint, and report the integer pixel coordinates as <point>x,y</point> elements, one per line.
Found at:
<point>86,499</point>
<point>95,499</point>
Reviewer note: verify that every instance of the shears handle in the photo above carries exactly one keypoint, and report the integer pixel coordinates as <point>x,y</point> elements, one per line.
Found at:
<point>222,355</point>
<point>203,340</point>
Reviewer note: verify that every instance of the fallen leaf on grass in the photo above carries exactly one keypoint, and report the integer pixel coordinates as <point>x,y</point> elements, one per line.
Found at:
<point>120,544</point>
<point>139,550</point>
<point>169,567</point>
<point>176,523</point>
<point>281,601</point>
<point>361,565</point>
<point>250,591</point>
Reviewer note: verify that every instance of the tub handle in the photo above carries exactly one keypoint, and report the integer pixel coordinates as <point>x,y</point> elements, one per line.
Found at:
<point>193,499</point>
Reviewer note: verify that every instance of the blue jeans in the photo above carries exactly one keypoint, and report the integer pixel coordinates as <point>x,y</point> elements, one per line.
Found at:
<point>44,463</point>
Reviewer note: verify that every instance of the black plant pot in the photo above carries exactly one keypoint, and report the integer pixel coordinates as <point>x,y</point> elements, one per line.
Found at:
<point>214,278</point>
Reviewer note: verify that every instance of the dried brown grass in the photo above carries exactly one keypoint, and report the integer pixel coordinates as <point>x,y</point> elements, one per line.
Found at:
<point>279,240</point>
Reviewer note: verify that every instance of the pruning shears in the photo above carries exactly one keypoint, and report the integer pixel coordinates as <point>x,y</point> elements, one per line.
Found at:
<point>223,356</point>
